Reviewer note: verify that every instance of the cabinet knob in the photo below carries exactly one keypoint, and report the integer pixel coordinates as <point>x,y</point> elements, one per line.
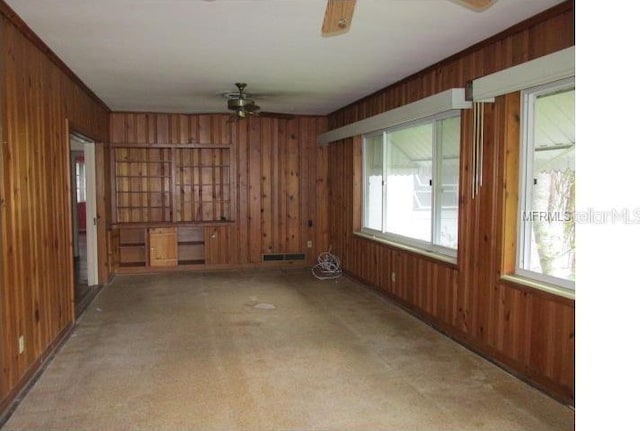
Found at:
<point>213,235</point>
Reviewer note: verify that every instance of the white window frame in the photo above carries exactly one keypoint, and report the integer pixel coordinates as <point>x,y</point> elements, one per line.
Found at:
<point>428,246</point>
<point>527,152</point>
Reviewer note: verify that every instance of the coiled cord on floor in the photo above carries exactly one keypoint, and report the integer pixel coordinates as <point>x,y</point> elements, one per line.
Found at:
<point>328,266</point>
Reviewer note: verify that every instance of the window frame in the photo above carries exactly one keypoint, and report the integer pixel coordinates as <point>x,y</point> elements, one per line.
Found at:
<point>527,159</point>
<point>435,221</point>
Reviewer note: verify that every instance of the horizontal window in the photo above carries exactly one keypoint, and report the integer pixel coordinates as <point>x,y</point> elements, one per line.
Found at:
<point>411,175</point>
<point>546,247</point>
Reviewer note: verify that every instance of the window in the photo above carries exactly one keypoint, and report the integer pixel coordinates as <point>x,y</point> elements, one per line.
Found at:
<point>546,248</point>
<point>81,187</point>
<point>411,177</point>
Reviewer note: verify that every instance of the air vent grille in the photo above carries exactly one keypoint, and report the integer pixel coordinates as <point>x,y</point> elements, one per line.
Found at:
<point>283,257</point>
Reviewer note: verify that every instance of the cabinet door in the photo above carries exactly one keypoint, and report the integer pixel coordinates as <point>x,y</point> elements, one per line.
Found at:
<point>163,247</point>
<point>221,245</point>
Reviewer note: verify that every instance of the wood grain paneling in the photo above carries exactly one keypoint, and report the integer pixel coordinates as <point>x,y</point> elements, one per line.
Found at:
<point>163,247</point>
<point>283,198</point>
<point>551,31</point>
<point>277,191</point>
<point>39,101</point>
<point>221,245</point>
<point>141,184</point>
<point>526,330</point>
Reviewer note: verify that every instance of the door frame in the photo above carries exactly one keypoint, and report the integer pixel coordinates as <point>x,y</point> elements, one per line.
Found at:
<point>91,216</point>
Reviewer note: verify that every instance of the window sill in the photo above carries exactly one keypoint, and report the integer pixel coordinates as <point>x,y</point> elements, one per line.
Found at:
<point>433,255</point>
<point>545,287</point>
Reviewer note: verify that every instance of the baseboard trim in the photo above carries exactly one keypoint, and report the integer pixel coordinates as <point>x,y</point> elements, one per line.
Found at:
<point>15,396</point>
<point>550,388</point>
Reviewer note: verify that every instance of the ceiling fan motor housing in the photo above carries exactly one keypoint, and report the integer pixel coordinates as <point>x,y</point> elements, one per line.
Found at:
<point>241,103</point>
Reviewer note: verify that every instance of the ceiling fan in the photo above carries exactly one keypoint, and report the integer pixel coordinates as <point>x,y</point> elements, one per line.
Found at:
<point>339,13</point>
<point>242,104</point>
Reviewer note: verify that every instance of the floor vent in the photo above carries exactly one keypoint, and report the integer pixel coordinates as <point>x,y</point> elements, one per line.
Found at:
<point>294,256</point>
<point>272,257</point>
<point>281,257</point>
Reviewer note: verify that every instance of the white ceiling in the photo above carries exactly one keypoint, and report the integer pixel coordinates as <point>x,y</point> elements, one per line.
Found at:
<point>180,55</point>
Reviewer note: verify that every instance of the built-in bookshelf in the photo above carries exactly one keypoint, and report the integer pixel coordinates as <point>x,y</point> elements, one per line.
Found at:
<point>202,184</point>
<point>142,185</point>
<point>172,184</point>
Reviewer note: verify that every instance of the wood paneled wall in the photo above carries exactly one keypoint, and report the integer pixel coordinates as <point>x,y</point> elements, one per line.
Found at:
<point>548,32</point>
<point>282,183</point>
<point>280,186</point>
<point>39,100</point>
<point>526,330</point>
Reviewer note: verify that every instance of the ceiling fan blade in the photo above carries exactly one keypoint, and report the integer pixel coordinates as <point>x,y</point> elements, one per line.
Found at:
<point>477,5</point>
<point>337,17</point>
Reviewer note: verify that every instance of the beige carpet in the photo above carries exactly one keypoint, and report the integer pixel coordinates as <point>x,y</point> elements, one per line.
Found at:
<point>275,350</point>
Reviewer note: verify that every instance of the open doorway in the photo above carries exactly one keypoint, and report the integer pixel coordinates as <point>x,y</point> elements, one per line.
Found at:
<point>83,211</point>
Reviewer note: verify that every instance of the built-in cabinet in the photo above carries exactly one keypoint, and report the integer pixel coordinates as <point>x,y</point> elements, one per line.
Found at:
<point>172,206</point>
<point>255,189</point>
<point>149,247</point>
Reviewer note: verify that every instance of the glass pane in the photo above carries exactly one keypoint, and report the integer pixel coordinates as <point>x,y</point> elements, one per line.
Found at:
<point>81,189</point>
<point>373,182</point>
<point>448,183</point>
<point>551,223</point>
<point>409,172</point>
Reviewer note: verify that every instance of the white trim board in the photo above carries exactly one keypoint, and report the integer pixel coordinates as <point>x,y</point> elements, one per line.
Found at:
<point>552,67</point>
<point>432,105</point>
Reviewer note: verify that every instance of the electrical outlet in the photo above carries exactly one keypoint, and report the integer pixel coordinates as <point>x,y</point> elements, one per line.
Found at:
<point>393,277</point>
<point>309,244</point>
<point>21,344</point>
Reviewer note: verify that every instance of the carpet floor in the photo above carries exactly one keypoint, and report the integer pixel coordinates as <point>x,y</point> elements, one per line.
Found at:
<point>269,350</point>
